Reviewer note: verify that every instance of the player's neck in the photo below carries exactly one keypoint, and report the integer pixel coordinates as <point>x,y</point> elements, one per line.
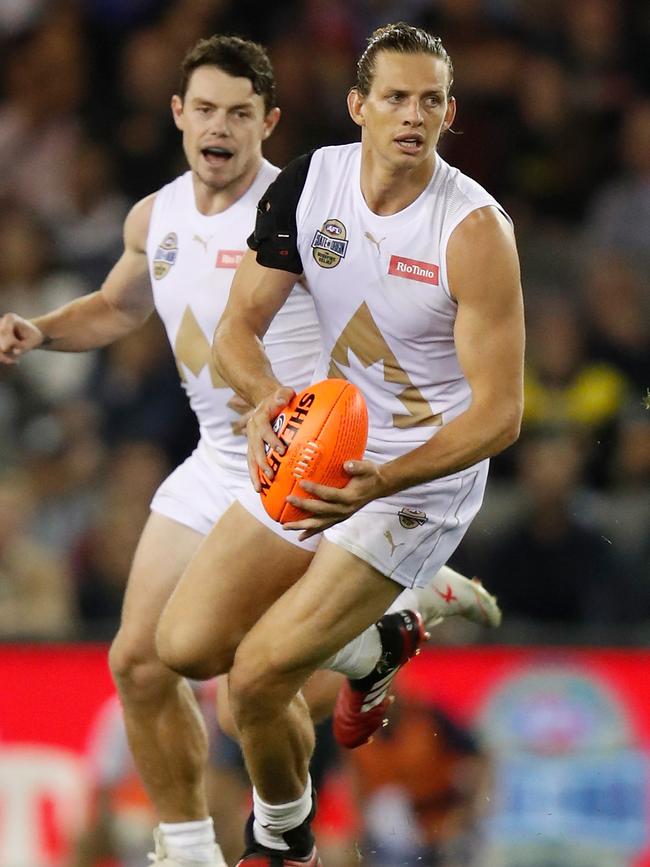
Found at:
<point>210,201</point>
<point>388,190</point>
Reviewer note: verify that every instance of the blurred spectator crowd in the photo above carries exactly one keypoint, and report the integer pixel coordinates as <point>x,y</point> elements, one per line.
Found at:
<point>553,118</point>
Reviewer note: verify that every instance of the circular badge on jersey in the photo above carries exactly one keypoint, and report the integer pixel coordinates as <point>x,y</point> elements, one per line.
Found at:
<point>165,255</point>
<point>330,245</point>
<point>411,518</point>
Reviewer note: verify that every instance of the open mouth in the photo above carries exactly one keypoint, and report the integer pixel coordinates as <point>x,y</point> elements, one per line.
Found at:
<point>216,156</point>
<point>410,144</point>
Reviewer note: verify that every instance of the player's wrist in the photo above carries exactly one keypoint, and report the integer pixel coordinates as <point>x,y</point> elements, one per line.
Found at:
<point>391,479</point>
<point>265,392</point>
<point>44,339</point>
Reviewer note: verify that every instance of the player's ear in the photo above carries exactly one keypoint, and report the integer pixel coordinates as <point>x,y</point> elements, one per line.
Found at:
<point>450,114</point>
<point>355,106</point>
<point>177,110</point>
<point>271,121</point>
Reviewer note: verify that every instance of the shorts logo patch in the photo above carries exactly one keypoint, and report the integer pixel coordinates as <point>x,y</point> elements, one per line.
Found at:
<point>330,245</point>
<point>165,256</point>
<point>411,518</point>
<point>229,258</point>
<point>412,269</point>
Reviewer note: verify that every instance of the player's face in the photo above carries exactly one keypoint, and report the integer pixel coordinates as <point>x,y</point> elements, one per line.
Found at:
<point>224,123</point>
<point>407,108</point>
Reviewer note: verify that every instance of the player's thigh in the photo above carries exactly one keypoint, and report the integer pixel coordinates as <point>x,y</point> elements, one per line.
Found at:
<point>237,573</point>
<point>337,598</point>
<point>163,552</point>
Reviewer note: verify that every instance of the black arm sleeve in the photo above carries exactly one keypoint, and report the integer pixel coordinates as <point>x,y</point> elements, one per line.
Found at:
<point>275,238</point>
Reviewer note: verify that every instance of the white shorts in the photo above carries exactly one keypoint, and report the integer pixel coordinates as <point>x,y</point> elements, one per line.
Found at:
<point>200,490</point>
<point>410,536</point>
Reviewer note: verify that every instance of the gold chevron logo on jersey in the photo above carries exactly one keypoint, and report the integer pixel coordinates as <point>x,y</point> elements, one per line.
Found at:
<point>330,245</point>
<point>165,255</point>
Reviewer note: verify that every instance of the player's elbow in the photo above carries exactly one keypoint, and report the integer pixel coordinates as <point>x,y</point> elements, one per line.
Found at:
<point>509,424</point>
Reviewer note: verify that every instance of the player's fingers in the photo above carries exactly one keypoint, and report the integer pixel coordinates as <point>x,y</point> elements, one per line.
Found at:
<point>253,470</point>
<point>318,529</point>
<point>271,438</point>
<point>324,492</point>
<point>311,526</point>
<point>239,405</point>
<point>256,449</point>
<point>259,456</point>
<point>239,425</point>
<point>282,396</point>
<point>308,534</point>
<point>358,468</point>
<point>303,524</point>
<point>317,507</point>
<point>8,341</point>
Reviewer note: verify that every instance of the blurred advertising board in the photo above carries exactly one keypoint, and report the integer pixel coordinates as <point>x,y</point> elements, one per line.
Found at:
<point>568,730</point>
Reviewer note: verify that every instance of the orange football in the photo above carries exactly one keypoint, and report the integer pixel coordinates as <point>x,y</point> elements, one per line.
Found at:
<point>322,427</point>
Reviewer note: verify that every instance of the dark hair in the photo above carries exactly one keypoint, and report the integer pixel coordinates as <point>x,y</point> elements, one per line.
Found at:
<point>405,39</point>
<point>238,57</point>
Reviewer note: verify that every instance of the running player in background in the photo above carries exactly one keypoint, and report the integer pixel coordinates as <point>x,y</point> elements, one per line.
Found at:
<point>414,272</point>
<point>182,245</point>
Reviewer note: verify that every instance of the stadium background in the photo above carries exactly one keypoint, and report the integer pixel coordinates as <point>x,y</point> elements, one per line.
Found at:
<point>554,119</point>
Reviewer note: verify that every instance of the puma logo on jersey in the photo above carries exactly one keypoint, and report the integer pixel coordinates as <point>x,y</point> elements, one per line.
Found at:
<point>412,269</point>
<point>202,241</point>
<point>374,241</point>
<point>393,546</point>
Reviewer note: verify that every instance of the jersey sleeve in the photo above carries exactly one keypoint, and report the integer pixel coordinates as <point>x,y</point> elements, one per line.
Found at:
<point>275,238</point>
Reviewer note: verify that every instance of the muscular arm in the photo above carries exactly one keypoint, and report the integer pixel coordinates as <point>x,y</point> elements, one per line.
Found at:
<point>489,337</point>
<point>122,304</point>
<point>256,295</point>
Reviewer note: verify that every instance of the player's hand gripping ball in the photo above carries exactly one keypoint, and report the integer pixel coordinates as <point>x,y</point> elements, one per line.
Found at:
<point>322,427</point>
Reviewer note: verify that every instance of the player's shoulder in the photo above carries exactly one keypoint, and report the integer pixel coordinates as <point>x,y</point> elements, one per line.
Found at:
<point>468,204</point>
<point>267,173</point>
<point>291,181</point>
<point>136,225</point>
<point>335,158</point>
<point>139,218</point>
<point>460,185</point>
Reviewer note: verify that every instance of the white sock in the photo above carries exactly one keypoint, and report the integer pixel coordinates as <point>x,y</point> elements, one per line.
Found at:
<point>272,820</point>
<point>359,656</point>
<point>194,841</point>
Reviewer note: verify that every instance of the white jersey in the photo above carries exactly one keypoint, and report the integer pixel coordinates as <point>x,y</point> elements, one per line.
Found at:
<point>192,262</point>
<point>382,295</point>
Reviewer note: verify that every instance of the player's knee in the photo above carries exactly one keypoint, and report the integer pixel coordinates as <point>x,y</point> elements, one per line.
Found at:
<point>256,684</point>
<point>177,647</point>
<point>247,694</point>
<point>139,675</point>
